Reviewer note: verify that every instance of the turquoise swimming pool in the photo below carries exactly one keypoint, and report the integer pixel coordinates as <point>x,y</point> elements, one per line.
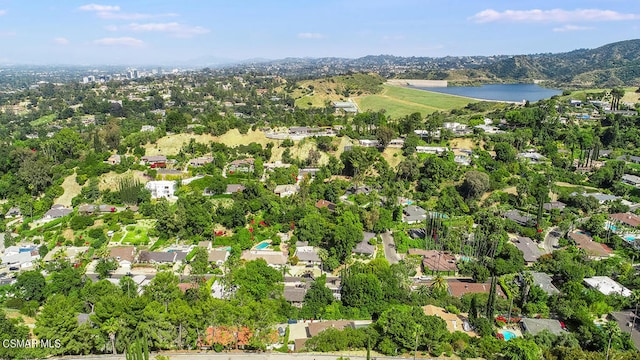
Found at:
<point>508,335</point>
<point>263,245</point>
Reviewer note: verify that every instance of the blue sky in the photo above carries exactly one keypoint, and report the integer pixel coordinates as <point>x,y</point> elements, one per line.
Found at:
<point>165,31</point>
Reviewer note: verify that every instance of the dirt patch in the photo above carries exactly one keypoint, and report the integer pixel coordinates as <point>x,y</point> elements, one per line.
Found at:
<point>67,234</point>
<point>71,190</point>
<point>510,190</point>
<point>171,144</point>
<point>466,143</point>
<point>393,156</point>
<point>110,180</point>
<point>233,138</point>
<point>14,314</point>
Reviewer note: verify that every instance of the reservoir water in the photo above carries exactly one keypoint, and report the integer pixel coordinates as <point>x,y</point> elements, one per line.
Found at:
<point>499,92</point>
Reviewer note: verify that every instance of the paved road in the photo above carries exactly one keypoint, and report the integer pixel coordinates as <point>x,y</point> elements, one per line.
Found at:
<point>389,248</point>
<point>551,239</point>
<point>237,356</point>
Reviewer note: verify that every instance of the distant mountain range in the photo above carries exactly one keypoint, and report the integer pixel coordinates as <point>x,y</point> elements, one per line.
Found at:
<point>610,65</point>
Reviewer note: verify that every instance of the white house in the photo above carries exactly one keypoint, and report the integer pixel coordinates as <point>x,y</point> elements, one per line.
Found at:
<point>435,150</point>
<point>286,190</point>
<point>161,189</point>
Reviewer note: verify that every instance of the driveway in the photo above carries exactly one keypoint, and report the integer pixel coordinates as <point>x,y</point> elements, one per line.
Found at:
<point>551,239</point>
<point>389,248</point>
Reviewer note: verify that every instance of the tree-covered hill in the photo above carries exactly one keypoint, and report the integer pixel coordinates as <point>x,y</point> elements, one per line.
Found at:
<point>609,65</point>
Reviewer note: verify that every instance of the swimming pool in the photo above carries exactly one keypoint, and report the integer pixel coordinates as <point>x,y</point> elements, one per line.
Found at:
<point>508,335</point>
<point>630,238</point>
<point>263,245</point>
<point>612,227</point>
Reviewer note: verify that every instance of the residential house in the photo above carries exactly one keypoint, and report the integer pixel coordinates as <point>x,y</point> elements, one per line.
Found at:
<point>218,256</point>
<point>532,157</point>
<point>519,217</point>
<point>602,198</point>
<point>631,180</point>
<point>69,253</point>
<point>357,190</point>
<point>20,261</point>
<point>324,204</point>
<point>57,211</point>
<point>295,295</point>
<point>593,249</point>
<point>535,326</point>
<point>458,288</point>
<point>454,322</point>
<point>205,245</point>
<point>161,189</point>
<point>554,205</point>
<point>286,190</point>
<point>124,255</point>
<point>90,209</point>
<point>628,219</point>
<point>413,214</point>
<point>200,161</point>
<point>234,188</point>
<point>148,128</point>
<point>607,286</point>
<point>241,165</point>
<point>396,143</point>
<point>114,159</point>
<point>161,257</point>
<point>13,212</point>
<point>530,250</point>
<point>630,159</point>
<point>369,143</point>
<point>544,281</point>
<point>346,106</point>
<point>276,259</point>
<point>364,247</point>
<point>154,159</point>
<point>434,150</point>
<point>310,172</point>
<point>307,255</point>
<point>463,160</point>
<point>435,262</point>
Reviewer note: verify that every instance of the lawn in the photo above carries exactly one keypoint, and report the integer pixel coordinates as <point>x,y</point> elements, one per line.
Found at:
<point>138,234</point>
<point>400,101</point>
<point>43,120</point>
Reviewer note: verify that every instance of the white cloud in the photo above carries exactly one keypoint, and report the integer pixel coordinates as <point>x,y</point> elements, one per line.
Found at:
<point>173,28</point>
<point>111,28</point>
<point>61,41</point>
<point>553,15</point>
<point>2,12</point>
<point>96,7</point>
<point>131,16</point>
<point>308,35</point>
<point>7,33</point>
<point>121,41</point>
<point>571,28</point>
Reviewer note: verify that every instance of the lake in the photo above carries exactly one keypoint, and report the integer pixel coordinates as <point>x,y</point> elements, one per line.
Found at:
<point>500,92</point>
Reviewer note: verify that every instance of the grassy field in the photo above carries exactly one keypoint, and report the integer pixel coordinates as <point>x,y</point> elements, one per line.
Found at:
<point>71,190</point>
<point>43,120</point>
<point>399,101</point>
<point>319,92</point>
<point>111,179</point>
<point>630,94</point>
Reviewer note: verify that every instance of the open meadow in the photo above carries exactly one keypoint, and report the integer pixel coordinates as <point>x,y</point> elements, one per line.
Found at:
<point>400,101</point>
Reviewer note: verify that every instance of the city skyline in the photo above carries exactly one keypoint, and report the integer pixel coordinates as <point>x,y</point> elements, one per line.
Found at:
<point>170,32</point>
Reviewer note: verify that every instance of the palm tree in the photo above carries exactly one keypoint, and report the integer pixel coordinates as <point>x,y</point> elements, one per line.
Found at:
<point>612,329</point>
<point>111,327</point>
<point>439,285</point>
<point>323,254</point>
<point>616,94</point>
<point>527,280</point>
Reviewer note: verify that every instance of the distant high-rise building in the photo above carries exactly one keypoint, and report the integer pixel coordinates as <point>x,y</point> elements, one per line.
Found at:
<point>136,74</point>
